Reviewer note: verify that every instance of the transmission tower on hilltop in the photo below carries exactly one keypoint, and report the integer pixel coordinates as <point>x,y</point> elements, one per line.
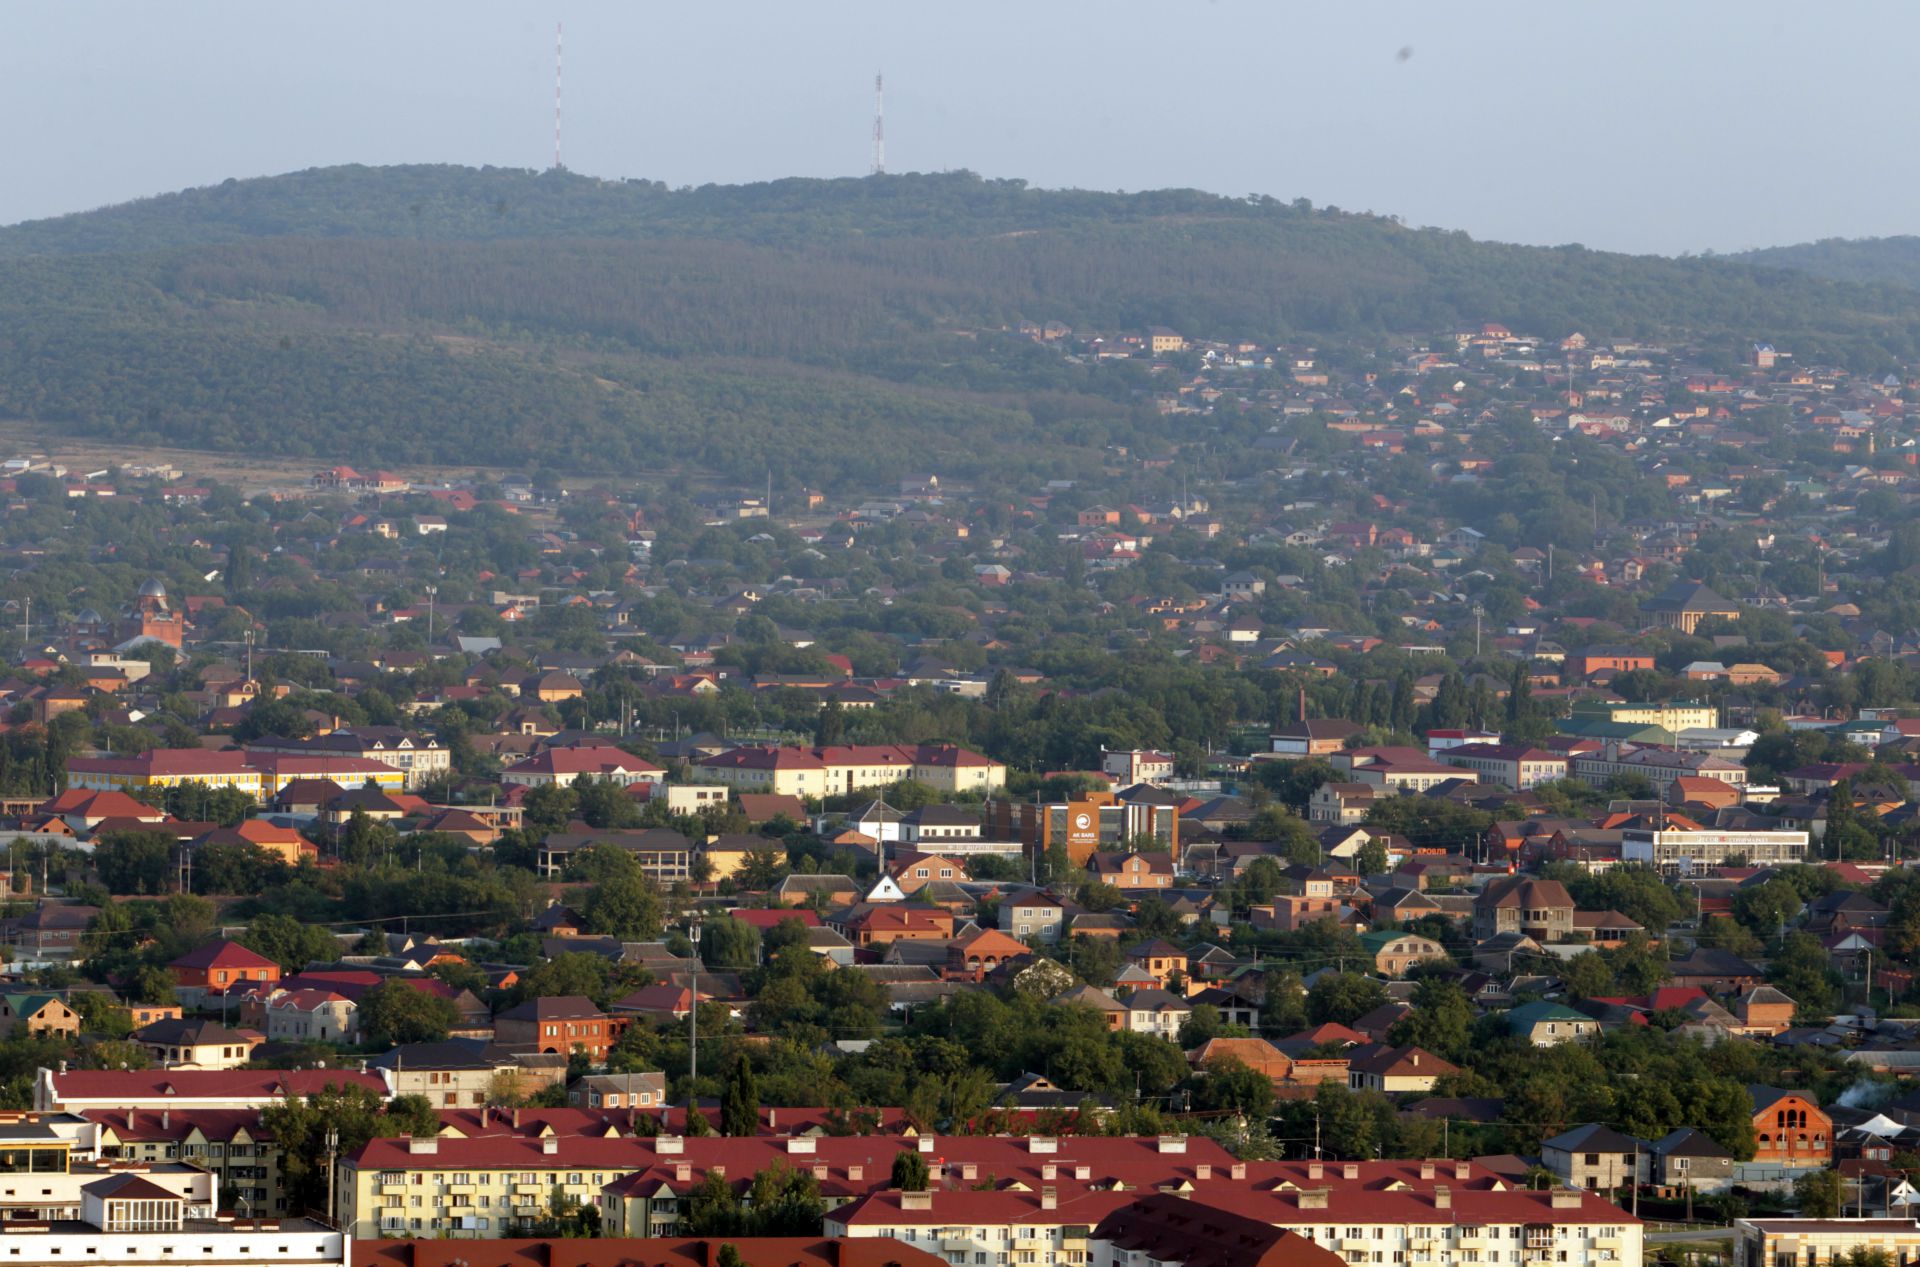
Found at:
<point>879,126</point>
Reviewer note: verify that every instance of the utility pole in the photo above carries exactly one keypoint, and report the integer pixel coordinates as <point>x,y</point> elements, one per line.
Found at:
<point>431,591</point>
<point>333,1144</point>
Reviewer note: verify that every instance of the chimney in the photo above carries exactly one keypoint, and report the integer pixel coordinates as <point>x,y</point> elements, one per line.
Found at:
<point>1426,1170</point>
<point>483,1116</point>
<point>1042,1144</point>
<point>1050,1171</point>
<point>129,1119</point>
<point>1313,1198</point>
<point>1049,1199</point>
<point>1564,1199</point>
<point>924,1143</point>
<point>422,1145</point>
<point>819,1170</point>
<point>669,1145</point>
<point>1203,1171</point>
<point>969,1170</point>
<point>1442,1197</point>
<point>856,1174</point>
<point>682,1173</point>
<point>1083,1172</point>
<point>916,1201</point>
<point>516,1119</point>
<point>1172,1143</point>
<point>1315,1170</point>
<point>550,1145</point>
<point>166,1119</point>
<point>773,1123</point>
<point>1462,1170</point>
<point>798,1144</point>
<point>1350,1171</point>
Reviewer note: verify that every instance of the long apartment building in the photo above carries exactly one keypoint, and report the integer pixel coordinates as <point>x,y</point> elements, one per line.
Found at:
<point>488,1186</point>
<point>1682,851</point>
<point>256,772</point>
<point>1659,766</point>
<point>1045,1196</point>
<point>1403,1212</point>
<point>838,770</point>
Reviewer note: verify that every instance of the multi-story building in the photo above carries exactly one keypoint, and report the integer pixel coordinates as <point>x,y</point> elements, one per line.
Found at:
<point>217,967</point>
<point>1315,737</point>
<point>245,1161</point>
<point>1540,909</point>
<point>1683,851</point>
<point>142,1215</point>
<point>421,758</point>
<point>1672,716</point>
<point>663,854</point>
<point>1398,769</point>
<point>837,771</point>
<point>1126,767</point>
<point>1659,766</point>
<point>1789,1129</point>
<point>565,764</point>
<point>1511,765</point>
<point>488,1185</point>
<point>1031,913</point>
<point>1821,1242</point>
<point>84,1090</point>
<point>196,1044</point>
<point>1354,1212</point>
<point>559,1025</point>
<point>1596,1156</point>
<point>258,773</point>
<point>1087,823</point>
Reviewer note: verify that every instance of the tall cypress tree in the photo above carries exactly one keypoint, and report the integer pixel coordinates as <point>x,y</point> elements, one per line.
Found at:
<point>740,1102</point>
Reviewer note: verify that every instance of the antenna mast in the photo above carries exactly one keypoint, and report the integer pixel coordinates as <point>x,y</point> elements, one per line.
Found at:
<point>879,126</point>
<point>558,32</point>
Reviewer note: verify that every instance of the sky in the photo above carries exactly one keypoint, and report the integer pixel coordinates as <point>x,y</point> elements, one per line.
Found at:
<point>1638,125</point>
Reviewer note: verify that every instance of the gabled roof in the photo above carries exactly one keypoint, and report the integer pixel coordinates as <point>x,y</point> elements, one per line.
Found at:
<point>222,954</point>
<point>1594,1138</point>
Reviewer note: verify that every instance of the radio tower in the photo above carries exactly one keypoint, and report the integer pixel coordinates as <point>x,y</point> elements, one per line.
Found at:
<point>558,31</point>
<point>879,127</point>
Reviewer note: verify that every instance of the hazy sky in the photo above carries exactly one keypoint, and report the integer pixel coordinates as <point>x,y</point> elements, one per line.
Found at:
<point>1666,125</point>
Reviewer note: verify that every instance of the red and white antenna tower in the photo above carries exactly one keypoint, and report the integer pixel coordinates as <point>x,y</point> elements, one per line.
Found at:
<point>558,32</point>
<point>879,127</point>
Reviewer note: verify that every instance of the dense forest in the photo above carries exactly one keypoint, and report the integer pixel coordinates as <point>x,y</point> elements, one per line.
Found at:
<point>1872,261</point>
<point>842,330</point>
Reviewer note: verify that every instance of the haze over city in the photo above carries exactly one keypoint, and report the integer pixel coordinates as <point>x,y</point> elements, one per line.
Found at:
<point>1636,126</point>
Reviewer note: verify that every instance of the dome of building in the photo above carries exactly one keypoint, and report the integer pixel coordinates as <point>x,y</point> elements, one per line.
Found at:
<point>153,588</point>
<point>88,616</point>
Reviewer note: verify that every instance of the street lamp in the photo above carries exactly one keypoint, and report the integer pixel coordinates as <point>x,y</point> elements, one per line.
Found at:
<point>693,1013</point>
<point>431,591</point>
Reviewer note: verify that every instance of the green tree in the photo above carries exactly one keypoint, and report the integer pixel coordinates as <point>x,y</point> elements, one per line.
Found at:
<point>396,1012</point>
<point>1341,997</point>
<point>740,1101</point>
<point>729,943</point>
<point>713,1208</point>
<point>134,862</point>
<point>1819,1194</point>
<point>910,1172</point>
<point>289,942</point>
<point>762,867</point>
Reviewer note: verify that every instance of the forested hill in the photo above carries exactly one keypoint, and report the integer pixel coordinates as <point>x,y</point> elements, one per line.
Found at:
<point>833,330</point>
<point>1893,260</point>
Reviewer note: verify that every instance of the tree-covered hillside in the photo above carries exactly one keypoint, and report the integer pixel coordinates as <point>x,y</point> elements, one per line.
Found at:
<point>833,329</point>
<point>1871,261</point>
